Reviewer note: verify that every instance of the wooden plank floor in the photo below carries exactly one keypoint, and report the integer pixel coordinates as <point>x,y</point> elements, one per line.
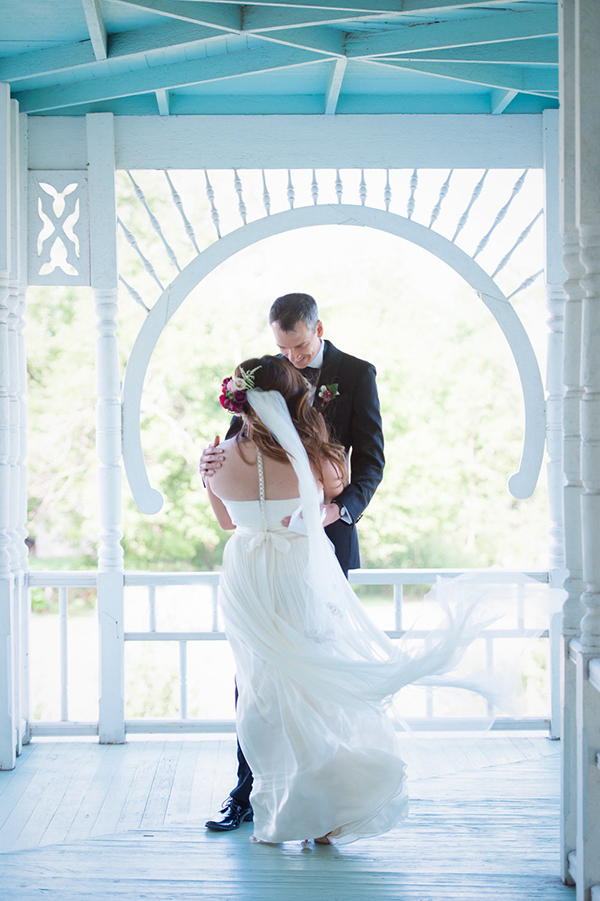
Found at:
<point>84,821</point>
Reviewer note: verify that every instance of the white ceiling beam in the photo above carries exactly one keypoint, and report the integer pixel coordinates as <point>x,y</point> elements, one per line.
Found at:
<point>543,82</point>
<point>500,100</point>
<point>229,18</point>
<point>96,28</point>
<point>162,99</point>
<point>540,52</point>
<point>456,33</point>
<point>335,85</point>
<point>213,68</point>
<point>368,7</point>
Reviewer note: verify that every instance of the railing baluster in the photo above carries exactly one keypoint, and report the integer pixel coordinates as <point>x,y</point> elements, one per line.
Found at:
<point>291,194</point>
<point>443,192</point>
<point>237,184</point>
<point>189,230</point>
<point>476,192</point>
<point>502,213</point>
<point>63,610</point>
<point>266,196</point>
<point>314,188</point>
<point>429,702</point>
<point>398,598</point>
<point>152,608</point>
<point>132,241</point>
<point>414,182</point>
<point>387,191</point>
<point>134,294</point>
<point>339,187</point>
<point>214,213</point>
<point>489,665</point>
<point>183,680</point>
<point>154,221</point>
<point>215,608</point>
<point>362,188</point>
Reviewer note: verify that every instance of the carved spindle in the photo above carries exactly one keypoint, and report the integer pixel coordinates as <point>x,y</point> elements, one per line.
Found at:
<point>266,197</point>
<point>237,184</point>
<point>443,192</point>
<point>134,294</point>
<point>339,187</point>
<point>517,243</point>
<point>154,221</point>
<point>387,191</point>
<point>314,188</point>
<point>476,192</point>
<point>179,204</point>
<point>414,183</point>
<point>501,215</point>
<point>589,238</point>
<point>131,240</point>
<point>362,188</point>
<point>291,194</point>
<point>526,284</point>
<point>214,213</point>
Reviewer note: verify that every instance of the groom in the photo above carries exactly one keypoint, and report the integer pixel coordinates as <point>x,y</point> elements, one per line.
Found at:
<point>345,392</point>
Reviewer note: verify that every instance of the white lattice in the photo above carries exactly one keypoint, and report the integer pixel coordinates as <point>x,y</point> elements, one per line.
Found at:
<point>58,228</point>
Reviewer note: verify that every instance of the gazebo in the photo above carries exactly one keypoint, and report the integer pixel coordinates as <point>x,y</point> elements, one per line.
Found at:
<point>91,86</point>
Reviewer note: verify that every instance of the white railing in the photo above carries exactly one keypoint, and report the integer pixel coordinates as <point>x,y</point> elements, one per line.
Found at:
<point>397,578</point>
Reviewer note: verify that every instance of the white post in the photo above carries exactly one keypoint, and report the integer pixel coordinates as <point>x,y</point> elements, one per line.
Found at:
<point>555,277</point>
<point>8,725</point>
<point>103,244</point>
<point>24,602</point>
<point>587,137</point>
<point>572,610</point>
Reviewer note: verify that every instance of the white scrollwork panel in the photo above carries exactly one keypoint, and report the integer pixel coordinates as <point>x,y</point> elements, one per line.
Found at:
<point>58,228</point>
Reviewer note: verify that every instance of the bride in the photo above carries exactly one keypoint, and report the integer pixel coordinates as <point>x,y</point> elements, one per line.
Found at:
<point>315,676</point>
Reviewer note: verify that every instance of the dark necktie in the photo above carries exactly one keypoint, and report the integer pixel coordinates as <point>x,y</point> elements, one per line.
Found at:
<point>311,374</point>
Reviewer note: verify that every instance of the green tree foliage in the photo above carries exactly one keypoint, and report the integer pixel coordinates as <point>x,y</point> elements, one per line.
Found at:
<point>449,394</point>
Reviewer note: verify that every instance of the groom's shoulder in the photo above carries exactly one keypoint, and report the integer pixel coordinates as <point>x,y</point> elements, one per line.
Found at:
<point>350,362</point>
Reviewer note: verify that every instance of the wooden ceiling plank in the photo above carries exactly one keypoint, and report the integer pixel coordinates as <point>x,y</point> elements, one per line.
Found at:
<point>455,33</point>
<point>534,52</point>
<point>335,85</point>
<point>96,28</point>
<point>212,68</point>
<point>528,81</point>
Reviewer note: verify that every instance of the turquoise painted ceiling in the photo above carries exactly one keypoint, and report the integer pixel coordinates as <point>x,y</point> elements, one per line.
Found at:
<point>331,57</point>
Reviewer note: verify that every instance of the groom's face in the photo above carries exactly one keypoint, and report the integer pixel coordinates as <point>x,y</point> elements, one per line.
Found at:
<point>301,345</point>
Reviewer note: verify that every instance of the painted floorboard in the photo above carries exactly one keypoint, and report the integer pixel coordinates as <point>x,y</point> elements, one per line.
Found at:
<point>83,821</point>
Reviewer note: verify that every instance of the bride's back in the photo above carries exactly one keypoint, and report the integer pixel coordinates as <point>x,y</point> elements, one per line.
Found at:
<point>237,478</point>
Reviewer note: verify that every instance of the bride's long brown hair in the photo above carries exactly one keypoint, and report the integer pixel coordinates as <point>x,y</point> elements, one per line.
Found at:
<point>278,374</point>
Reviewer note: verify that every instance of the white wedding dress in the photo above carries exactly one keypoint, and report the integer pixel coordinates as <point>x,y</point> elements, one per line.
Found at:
<point>315,675</point>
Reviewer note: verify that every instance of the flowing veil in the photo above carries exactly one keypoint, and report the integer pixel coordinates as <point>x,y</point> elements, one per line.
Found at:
<point>358,665</point>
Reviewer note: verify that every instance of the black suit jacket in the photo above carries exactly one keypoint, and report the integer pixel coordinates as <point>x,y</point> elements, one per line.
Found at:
<point>354,419</point>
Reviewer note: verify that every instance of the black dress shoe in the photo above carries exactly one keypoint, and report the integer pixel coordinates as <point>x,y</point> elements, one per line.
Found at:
<point>235,815</point>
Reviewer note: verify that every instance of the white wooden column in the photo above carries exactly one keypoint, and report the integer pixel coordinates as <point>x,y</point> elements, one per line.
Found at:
<point>8,683</point>
<point>104,279</point>
<point>572,610</point>
<point>587,148</point>
<point>22,516</point>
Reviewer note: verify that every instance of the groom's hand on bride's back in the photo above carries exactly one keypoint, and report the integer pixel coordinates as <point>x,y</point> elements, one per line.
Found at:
<point>211,459</point>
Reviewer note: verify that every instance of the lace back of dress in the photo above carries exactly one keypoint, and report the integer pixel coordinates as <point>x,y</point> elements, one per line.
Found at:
<point>261,488</point>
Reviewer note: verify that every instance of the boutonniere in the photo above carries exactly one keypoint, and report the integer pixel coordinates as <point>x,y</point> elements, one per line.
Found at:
<point>327,393</point>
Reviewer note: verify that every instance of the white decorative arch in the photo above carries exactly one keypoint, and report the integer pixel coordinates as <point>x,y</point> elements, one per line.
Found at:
<point>521,484</point>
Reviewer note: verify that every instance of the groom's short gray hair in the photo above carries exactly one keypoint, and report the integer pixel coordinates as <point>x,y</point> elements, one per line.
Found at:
<point>292,308</point>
